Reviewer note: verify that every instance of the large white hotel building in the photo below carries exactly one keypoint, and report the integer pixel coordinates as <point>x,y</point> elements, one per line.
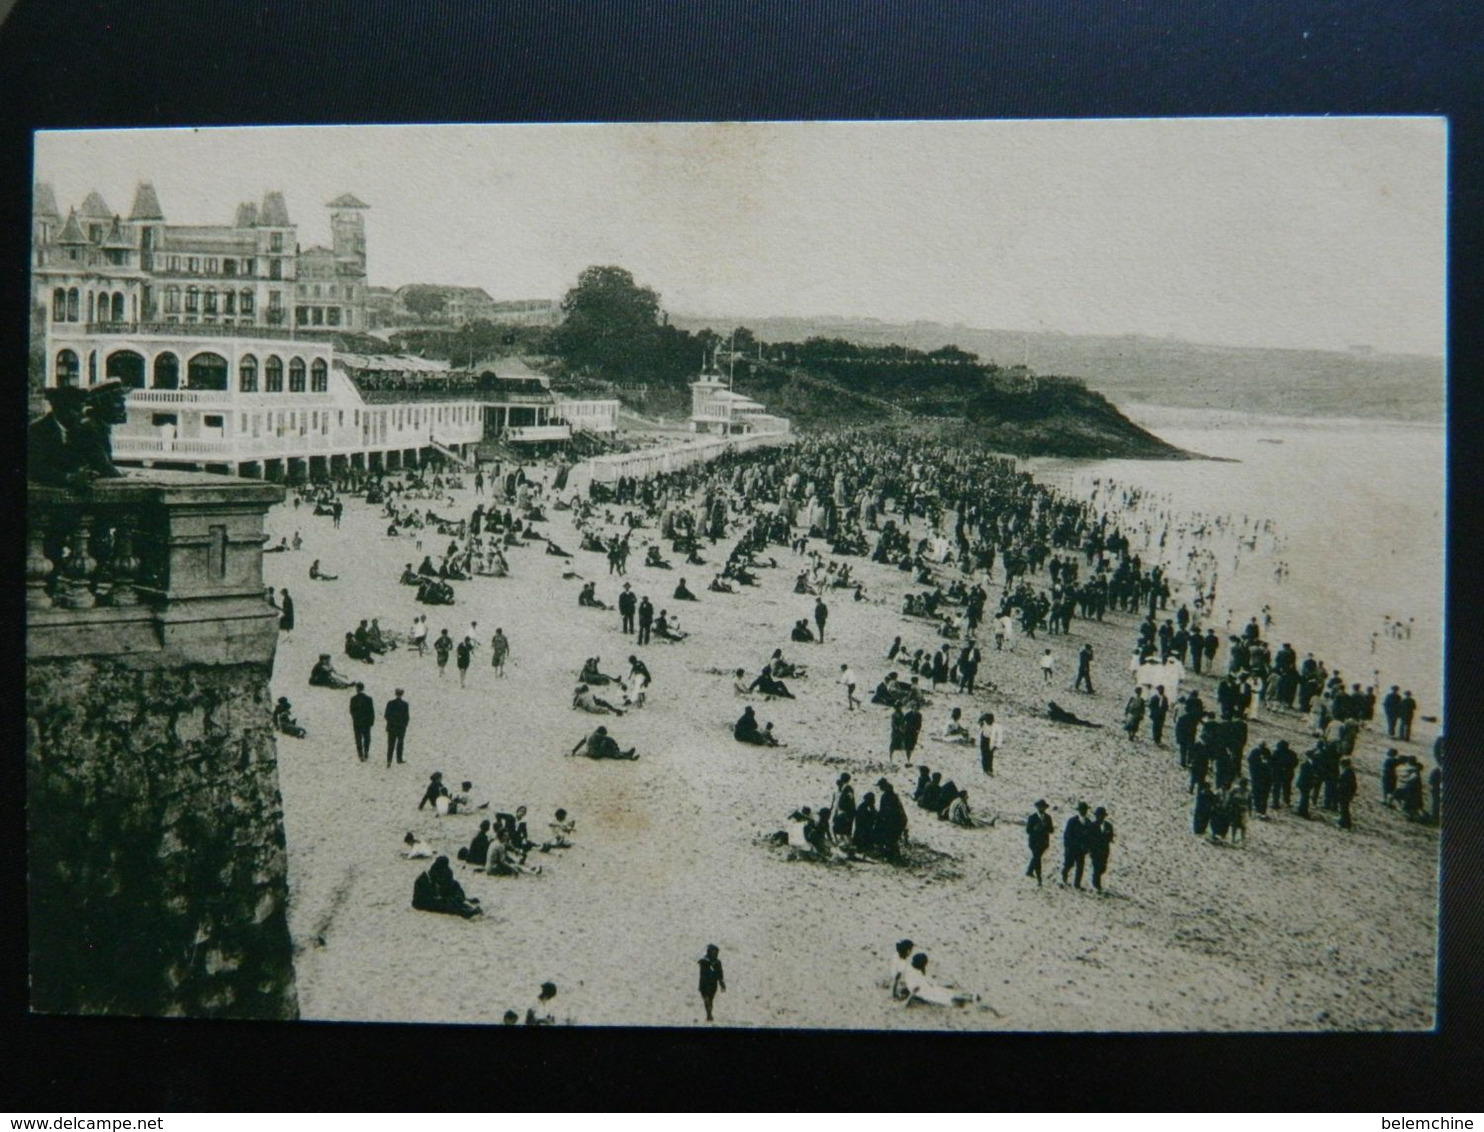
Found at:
<point>224,336</point>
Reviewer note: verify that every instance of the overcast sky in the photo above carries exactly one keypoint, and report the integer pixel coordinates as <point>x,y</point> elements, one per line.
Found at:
<point>1321,233</point>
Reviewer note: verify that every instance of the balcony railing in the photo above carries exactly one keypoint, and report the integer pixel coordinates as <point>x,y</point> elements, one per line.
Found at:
<point>191,330</point>
<point>150,563</point>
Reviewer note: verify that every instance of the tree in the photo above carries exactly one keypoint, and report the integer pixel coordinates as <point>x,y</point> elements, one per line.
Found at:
<point>425,302</point>
<point>611,325</point>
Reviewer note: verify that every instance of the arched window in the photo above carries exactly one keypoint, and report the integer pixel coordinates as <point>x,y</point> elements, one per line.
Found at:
<point>167,372</point>
<point>118,306</point>
<point>296,375</point>
<point>319,376</point>
<point>172,299</point>
<point>67,368</point>
<point>74,305</point>
<point>208,371</point>
<point>247,373</point>
<point>59,305</point>
<point>125,366</point>
<point>193,299</point>
<point>273,375</point>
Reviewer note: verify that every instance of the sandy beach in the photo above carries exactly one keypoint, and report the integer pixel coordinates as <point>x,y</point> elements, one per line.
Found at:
<point>1305,928</point>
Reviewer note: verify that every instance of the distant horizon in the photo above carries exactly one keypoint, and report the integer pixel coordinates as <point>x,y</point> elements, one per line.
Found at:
<point>724,324</point>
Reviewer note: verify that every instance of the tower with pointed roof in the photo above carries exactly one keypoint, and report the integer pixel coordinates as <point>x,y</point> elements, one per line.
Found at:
<point>147,218</point>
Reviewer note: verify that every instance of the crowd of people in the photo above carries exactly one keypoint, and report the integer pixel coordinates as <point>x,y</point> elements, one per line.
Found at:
<point>963,526</point>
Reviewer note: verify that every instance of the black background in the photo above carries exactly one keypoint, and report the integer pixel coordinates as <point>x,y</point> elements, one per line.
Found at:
<point>65,63</point>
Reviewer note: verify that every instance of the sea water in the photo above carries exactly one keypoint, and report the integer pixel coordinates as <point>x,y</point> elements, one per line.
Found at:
<point>1354,509</point>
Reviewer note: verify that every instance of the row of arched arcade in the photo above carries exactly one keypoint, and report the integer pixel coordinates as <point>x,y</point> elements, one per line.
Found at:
<point>204,370</point>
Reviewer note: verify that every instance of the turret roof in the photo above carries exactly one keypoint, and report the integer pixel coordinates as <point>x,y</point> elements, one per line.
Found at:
<point>347,200</point>
<point>94,207</point>
<point>146,204</point>
<point>71,232</point>
<point>247,215</point>
<point>274,213</point>
<point>44,200</point>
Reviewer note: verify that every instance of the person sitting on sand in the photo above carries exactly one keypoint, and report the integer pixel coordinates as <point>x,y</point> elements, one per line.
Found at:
<point>957,810</point>
<point>356,650</point>
<point>719,586</point>
<point>284,721</point>
<point>281,548</point>
<point>427,569</point>
<point>901,968</point>
<point>318,575</point>
<point>666,630</point>
<point>653,559</point>
<point>592,677</point>
<point>323,674</point>
<point>798,831</point>
<point>770,687</point>
<point>801,632</point>
<point>553,549</point>
<point>682,592</point>
<point>416,850</point>
<point>562,829</point>
<point>478,851</point>
<point>783,669</point>
<point>924,779</point>
<point>1059,714</point>
<point>747,729</point>
<point>505,860</point>
<point>437,891</point>
<point>922,989</point>
<point>410,576</point>
<point>583,699</point>
<point>740,684</point>
<point>955,731</point>
<point>601,745</point>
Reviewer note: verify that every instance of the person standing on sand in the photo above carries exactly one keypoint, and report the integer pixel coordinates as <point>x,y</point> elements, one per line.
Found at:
<point>1084,670</point>
<point>1133,713</point>
<point>646,619</point>
<point>1038,830</point>
<point>911,731</point>
<point>1074,844</point>
<point>362,719</point>
<point>847,677</point>
<point>441,648</point>
<point>1159,707</point>
<point>627,603</point>
<point>1099,845</point>
<point>397,715</point>
<point>821,615</point>
<point>1048,663</point>
<point>499,651</point>
<point>712,977</point>
<point>286,612</point>
<point>990,737</point>
<point>898,733</point>
<point>1345,789</point>
<point>465,655</point>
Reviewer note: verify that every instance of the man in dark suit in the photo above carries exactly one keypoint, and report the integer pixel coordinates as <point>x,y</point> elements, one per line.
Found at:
<point>1074,843</point>
<point>821,615</point>
<point>397,716</point>
<point>1099,845</point>
<point>1038,830</point>
<point>362,719</point>
<point>1345,789</point>
<point>891,819</point>
<point>646,618</point>
<point>626,605</point>
<point>1159,707</point>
